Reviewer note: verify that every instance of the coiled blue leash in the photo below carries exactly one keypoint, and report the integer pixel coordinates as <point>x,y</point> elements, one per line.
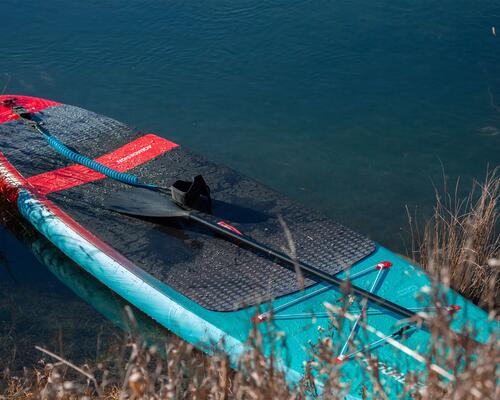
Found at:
<point>78,158</point>
<point>73,155</point>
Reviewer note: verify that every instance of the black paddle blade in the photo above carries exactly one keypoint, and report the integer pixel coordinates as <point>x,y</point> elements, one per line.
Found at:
<point>145,203</point>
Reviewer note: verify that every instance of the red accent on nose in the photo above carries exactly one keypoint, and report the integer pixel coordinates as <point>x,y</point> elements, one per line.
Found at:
<point>383,265</point>
<point>340,360</point>
<point>454,308</point>
<point>31,104</point>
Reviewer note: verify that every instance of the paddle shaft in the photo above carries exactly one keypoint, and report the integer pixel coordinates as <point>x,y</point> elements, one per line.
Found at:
<point>304,266</point>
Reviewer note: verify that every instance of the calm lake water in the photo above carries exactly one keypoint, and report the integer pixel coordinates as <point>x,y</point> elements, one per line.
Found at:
<point>353,107</point>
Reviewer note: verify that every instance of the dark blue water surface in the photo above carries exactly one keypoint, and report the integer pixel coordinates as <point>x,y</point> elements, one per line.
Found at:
<point>353,107</point>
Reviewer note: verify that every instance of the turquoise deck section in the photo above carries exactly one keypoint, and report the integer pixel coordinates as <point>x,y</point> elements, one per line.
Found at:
<point>404,283</point>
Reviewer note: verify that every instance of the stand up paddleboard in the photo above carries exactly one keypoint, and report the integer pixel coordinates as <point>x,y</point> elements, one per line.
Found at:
<point>205,257</point>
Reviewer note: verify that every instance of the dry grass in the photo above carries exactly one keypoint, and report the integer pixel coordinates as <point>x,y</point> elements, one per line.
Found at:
<point>459,247</point>
<point>179,371</point>
<point>460,244</point>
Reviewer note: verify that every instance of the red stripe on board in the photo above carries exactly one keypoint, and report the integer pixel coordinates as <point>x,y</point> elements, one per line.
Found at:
<point>31,104</point>
<point>122,159</point>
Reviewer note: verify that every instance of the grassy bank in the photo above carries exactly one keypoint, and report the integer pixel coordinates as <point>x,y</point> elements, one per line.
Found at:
<point>459,247</point>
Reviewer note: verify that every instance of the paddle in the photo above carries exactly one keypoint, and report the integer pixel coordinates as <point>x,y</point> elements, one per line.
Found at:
<point>150,203</point>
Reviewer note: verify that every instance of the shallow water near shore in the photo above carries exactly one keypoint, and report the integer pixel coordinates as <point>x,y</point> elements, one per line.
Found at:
<point>353,108</point>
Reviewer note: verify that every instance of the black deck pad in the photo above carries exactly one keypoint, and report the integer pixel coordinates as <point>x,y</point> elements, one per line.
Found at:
<point>210,270</point>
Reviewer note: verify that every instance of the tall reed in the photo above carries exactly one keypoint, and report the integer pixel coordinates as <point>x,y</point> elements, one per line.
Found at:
<point>460,245</point>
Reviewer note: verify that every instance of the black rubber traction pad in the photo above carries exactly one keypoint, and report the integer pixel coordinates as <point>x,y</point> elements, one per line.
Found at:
<point>211,271</point>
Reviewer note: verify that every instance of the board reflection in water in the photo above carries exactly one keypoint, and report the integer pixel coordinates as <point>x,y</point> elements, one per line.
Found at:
<point>107,303</point>
<point>63,324</point>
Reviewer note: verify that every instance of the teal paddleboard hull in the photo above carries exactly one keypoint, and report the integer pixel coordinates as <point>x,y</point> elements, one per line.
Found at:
<point>217,317</point>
